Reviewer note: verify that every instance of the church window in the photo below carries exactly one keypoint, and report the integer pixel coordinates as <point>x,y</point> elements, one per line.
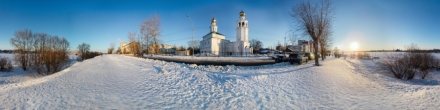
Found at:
<point>242,24</point>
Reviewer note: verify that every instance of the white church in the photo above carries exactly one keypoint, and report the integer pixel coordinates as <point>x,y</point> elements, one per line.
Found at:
<point>215,43</point>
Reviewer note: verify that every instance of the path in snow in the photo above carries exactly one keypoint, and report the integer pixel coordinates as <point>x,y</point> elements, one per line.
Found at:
<point>123,82</point>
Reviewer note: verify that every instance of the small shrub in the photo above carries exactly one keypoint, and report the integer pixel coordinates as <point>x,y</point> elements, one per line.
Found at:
<point>405,65</point>
<point>427,61</point>
<point>5,64</point>
<point>87,55</point>
<point>363,55</point>
<point>416,59</point>
<point>399,65</point>
<point>79,58</point>
<point>437,64</point>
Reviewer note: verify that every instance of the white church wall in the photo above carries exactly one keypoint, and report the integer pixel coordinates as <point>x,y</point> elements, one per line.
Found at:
<point>242,34</point>
<point>215,43</point>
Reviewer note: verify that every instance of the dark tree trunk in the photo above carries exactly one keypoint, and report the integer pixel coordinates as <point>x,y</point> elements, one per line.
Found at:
<point>315,49</point>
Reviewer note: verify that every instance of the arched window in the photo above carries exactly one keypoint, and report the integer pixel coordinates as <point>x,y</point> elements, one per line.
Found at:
<point>238,25</point>
<point>242,23</point>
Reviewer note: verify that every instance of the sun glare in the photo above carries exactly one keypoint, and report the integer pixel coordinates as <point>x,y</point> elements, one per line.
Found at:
<point>354,46</point>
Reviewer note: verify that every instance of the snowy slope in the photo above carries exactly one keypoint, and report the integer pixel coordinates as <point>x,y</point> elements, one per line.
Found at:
<point>124,82</point>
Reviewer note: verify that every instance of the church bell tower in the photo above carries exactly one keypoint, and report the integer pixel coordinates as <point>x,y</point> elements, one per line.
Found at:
<point>213,26</point>
<point>242,28</point>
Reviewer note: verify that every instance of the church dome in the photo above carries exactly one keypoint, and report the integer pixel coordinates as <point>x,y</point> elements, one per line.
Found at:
<point>242,13</point>
<point>213,20</point>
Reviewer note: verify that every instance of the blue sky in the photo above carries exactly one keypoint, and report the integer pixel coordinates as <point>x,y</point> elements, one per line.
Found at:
<point>374,24</point>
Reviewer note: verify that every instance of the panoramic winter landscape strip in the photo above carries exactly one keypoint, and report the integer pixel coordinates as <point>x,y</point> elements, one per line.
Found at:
<point>219,55</point>
<point>126,82</point>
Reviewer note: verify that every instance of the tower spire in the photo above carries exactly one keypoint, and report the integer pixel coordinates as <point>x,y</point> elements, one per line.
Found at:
<point>213,25</point>
<point>242,27</point>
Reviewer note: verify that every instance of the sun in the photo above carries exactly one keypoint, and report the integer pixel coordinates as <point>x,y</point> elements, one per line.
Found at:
<point>354,46</point>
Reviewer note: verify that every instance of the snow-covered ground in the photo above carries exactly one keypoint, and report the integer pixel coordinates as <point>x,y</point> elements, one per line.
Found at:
<point>217,58</point>
<point>124,82</point>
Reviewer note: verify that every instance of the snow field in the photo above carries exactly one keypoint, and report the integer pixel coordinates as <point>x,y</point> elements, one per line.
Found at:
<point>124,82</point>
<point>404,94</point>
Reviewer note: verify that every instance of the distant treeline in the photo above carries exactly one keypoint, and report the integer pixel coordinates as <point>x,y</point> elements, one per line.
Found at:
<point>398,50</point>
<point>6,51</point>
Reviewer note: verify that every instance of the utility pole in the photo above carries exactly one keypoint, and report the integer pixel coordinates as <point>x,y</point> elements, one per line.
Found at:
<point>192,41</point>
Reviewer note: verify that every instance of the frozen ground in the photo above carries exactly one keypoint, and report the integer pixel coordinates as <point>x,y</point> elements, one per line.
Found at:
<point>124,82</point>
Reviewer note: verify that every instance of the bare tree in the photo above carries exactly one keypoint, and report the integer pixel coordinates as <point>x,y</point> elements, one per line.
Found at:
<point>112,47</point>
<point>325,42</point>
<point>58,54</point>
<point>293,39</point>
<point>195,43</point>
<point>256,44</point>
<point>336,52</point>
<point>280,46</point>
<point>84,49</point>
<point>314,19</point>
<point>41,52</point>
<point>118,51</point>
<point>22,42</point>
<point>150,31</point>
<point>144,35</point>
<point>252,42</point>
<point>133,46</point>
<point>40,49</point>
<point>259,45</point>
<point>181,48</point>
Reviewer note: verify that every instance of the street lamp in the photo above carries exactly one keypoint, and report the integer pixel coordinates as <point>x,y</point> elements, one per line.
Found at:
<point>285,46</point>
<point>192,41</point>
